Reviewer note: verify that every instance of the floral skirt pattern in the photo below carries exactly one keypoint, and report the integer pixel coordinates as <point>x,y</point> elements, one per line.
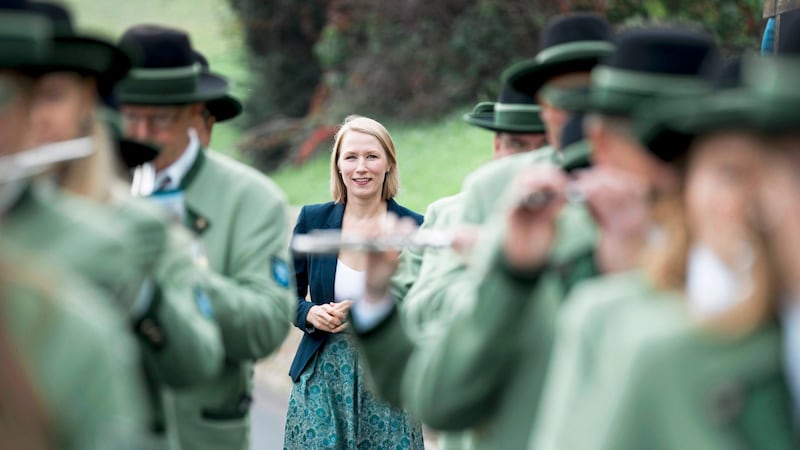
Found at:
<point>331,408</point>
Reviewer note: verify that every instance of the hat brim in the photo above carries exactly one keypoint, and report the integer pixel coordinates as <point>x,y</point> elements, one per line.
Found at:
<point>97,58</point>
<point>529,76</point>
<point>669,131</point>
<point>576,156</point>
<point>609,103</point>
<point>224,108</point>
<point>486,121</point>
<point>209,87</point>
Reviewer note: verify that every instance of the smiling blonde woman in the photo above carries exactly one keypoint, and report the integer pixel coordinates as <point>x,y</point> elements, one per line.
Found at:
<point>330,406</point>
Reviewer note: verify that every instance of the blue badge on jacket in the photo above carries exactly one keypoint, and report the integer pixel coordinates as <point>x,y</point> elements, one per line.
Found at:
<point>203,302</point>
<point>280,272</point>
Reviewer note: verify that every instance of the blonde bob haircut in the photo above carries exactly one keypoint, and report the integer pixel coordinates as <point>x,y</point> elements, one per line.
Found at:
<point>360,124</point>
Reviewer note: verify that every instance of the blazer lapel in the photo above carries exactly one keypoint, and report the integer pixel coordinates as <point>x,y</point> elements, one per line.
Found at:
<point>328,263</point>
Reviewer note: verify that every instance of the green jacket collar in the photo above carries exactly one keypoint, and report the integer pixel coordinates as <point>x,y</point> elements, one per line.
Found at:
<point>196,220</point>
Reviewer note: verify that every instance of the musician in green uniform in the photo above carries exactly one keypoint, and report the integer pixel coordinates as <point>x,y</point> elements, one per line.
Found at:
<point>239,216</point>
<point>68,366</point>
<point>571,46</point>
<point>517,128</point>
<point>499,350</point>
<point>703,313</point>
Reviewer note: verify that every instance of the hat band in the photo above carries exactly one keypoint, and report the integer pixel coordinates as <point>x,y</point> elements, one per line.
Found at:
<point>511,114</point>
<point>634,82</point>
<point>577,46</point>
<point>167,81</point>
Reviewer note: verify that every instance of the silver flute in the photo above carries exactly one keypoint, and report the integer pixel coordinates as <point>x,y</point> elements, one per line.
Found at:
<point>331,242</point>
<point>537,201</point>
<point>37,160</point>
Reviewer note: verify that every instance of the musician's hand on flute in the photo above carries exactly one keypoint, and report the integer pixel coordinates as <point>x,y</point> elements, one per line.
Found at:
<point>531,224</point>
<point>382,265</point>
<point>619,203</point>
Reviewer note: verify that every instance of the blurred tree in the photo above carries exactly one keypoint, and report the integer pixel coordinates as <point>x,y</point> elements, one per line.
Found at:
<point>417,59</point>
<point>280,37</point>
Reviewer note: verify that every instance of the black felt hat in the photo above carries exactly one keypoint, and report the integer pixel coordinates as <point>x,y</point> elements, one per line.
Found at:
<point>649,63</point>
<point>224,108</point>
<point>74,52</point>
<point>667,127</point>
<point>24,36</point>
<point>512,113</point>
<point>165,71</point>
<point>570,43</point>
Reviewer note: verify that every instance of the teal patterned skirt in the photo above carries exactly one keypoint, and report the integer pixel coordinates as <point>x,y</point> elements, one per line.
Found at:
<point>331,408</point>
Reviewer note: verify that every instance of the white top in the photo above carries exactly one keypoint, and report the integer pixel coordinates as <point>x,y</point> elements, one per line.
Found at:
<point>170,178</point>
<point>350,284</point>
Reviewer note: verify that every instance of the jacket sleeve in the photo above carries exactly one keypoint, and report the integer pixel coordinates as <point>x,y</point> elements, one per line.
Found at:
<point>186,348</point>
<point>254,302</point>
<point>410,262</point>
<point>301,278</point>
<point>454,381</point>
<point>385,352</point>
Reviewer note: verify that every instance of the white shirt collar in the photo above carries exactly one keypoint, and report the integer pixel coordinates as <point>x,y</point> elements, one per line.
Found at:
<point>711,286</point>
<point>177,170</point>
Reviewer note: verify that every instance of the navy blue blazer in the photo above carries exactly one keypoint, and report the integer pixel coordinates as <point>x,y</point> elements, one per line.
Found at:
<point>317,273</point>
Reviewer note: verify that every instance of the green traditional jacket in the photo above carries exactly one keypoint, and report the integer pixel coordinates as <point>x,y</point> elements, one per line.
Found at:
<point>446,376</point>
<point>632,370</point>
<point>240,216</point>
<point>79,354</point>
<point>592,356</point>
<point>421,304</point>
<point>117,247</point>
<point>420,311</point>
<point>486,373</point>
<point>486,189</point>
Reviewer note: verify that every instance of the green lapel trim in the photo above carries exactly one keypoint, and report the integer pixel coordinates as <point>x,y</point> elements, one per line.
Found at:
<point>196,166</point>
<point>195,220</point>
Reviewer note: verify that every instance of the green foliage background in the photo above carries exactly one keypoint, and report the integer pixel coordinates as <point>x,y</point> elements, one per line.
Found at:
<point>416,66</point>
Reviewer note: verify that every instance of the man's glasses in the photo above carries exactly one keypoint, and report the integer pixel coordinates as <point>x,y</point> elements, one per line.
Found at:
<point>157,121</point>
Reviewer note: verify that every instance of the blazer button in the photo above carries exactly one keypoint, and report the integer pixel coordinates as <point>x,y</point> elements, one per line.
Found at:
<point>201,223</point>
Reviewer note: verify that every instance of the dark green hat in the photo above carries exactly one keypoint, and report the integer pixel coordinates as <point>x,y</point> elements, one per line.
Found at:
<point>570,43</point>
<point>512,113</point>
<point>24,36</point>
<point>646,64</point>
<point>165,71</point>
<point>576,153</point>
<point>72,52</point>
<point>224,108</point>
<point>667,127</point>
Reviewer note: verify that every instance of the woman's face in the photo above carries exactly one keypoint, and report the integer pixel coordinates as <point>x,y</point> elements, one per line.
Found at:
<point>363,165</point>
<point>723,175</point>
<point>63,104</point>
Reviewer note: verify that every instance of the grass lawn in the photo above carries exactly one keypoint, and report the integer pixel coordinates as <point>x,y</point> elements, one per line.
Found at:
<point>433,159</point>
